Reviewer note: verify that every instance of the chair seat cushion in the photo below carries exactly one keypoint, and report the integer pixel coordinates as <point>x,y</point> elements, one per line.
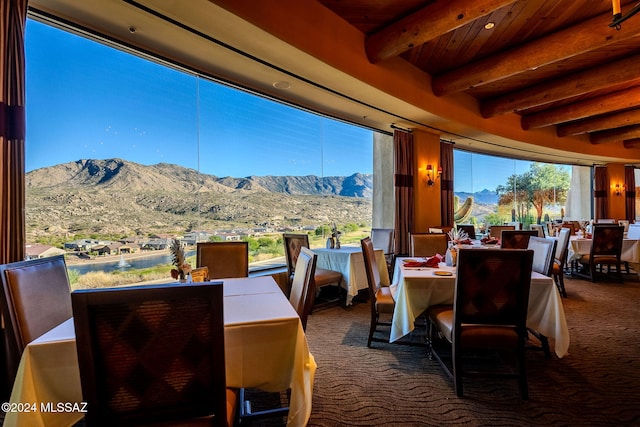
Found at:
<point>327,277</point>
<point>384,300</point>
<point>442,318</point>
<point>600,259</point>
<point>556,269</point>
<point>489,336</point>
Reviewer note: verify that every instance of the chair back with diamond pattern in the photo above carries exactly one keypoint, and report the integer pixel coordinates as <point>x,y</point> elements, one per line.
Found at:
<point>151,353</point>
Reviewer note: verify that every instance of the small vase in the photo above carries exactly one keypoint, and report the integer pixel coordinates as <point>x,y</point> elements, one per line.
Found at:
<point>337,246</point>
<point>330,243</point>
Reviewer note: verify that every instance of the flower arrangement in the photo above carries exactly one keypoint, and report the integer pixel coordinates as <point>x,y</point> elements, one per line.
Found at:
<point>458,236</point>
<point>182,268</point>
<point>336,235</point>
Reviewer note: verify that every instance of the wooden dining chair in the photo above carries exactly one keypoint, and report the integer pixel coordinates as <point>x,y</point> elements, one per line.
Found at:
<point>543,256</point>
<point>223,259</point>
<point>495,231</point>
<point>539,228</point>
<point>489,314</point>
<point>301,299</point>
<point>383,238</point>
<point>380,297</point>
<point>605,250</point>
<point>428,244</point>
<point>153,353</point>
<point>302,285</point>
<point>322,276</point>
<point>560,260</point>
<point>516,239</point>
<point>35,299</point>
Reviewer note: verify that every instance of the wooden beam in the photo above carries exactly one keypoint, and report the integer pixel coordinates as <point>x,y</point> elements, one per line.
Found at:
<point>631,143</point>
<point>578,39</point>
<point>427,24</point>
<point>622,134</point>
<point>616,101</point>
<point>597,78</point>
<point>610,121</point>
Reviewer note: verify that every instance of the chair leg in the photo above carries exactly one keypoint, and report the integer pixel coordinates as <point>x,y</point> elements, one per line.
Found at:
<point>522,375</point>
<point>559,281</point>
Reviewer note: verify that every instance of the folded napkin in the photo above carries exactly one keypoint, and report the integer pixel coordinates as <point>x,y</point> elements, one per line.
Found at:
<point>431,262</point>
<point>489,240</point>
<point>465,242</point>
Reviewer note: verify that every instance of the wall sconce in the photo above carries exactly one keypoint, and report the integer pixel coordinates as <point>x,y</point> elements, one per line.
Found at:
<point>432,177</point>
<point>618,189</point>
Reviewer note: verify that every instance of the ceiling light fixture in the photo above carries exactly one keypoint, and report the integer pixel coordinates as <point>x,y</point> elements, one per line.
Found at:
<point>489,25</point>
<point>282,84</point>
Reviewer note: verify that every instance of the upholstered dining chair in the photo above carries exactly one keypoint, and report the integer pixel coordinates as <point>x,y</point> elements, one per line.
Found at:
<point>495,231</point>
<point>383,238</point>
<point>605,250</point>
<point>380,297</point>
<point>301,287</point>
<point>516,239</point>
<point>322,276</point>
<point>470,229</point>
<point>539,228</point>
<point>543,254</point>
<point>488,315</point>
<point>153,353</point>
<point>560,260</point>
<point>301,299</point>
<point>35,299</point>
<point>427,244</point>
<point>223,259</point>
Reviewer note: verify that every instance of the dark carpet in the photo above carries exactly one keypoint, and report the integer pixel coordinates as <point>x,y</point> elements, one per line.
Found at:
<point>597,384</point>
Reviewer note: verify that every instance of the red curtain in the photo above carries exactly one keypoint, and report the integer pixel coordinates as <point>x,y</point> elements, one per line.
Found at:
<point>600,192</point>
<point>630,193</point>
<point>403,181</point>
<point>446,184</point>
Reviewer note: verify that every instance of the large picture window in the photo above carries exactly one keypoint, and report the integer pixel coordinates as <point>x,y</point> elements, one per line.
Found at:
<point>124,154</point>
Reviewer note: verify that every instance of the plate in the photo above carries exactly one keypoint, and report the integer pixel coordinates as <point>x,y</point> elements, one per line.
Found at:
<point>408,260</point>
<point>443,273</point>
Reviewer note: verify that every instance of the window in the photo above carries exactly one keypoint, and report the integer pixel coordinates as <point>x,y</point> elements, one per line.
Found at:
<point>123,154</point>
<point>491,190</point>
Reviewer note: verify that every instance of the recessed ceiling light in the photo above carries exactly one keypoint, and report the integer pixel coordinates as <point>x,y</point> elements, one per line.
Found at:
<point>489,25</point>
<point>282,85</point>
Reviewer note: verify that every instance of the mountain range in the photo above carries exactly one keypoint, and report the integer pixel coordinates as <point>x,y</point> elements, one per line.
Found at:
<point>119,197</point>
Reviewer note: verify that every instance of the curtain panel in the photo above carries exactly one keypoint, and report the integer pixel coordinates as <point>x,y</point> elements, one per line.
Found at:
<point>446,184</point>
<point>403,181</point>
<point>12,130</point>
<point>630,193</point>
<point>600,192</point>
<point>13,17</point>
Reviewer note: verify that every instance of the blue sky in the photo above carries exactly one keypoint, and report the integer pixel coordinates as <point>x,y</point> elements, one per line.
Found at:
<point>85,100</point>
<point>89,101</point>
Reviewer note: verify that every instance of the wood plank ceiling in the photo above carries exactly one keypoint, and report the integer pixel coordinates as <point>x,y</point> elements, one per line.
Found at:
<point>555,63</point>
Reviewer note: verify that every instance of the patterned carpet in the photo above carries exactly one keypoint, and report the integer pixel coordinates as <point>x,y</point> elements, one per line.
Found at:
<point>597,384</point>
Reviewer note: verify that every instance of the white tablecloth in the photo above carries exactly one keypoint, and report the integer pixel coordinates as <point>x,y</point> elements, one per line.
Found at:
<point>349,261</point>
<point>415,290</point>
<point>265,347</point>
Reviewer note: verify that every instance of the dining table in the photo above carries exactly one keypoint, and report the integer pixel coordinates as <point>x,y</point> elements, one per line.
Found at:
<point>415,289</point>
<point>349,261</point>
<point>265,348</point>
